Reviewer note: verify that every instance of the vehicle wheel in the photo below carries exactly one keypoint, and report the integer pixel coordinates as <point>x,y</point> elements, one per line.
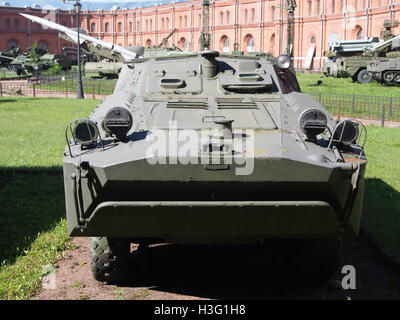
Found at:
<point>316,259</point>
<point>364,76</point>
<point>110,259</point>
<point>388,76</point>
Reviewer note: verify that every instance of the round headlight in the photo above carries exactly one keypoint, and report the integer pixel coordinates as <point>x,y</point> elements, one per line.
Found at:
<point>346,131</point>
<point>118,121</point>
<point>284,61</point>
<point>85,132</point>
<point>313,122</point>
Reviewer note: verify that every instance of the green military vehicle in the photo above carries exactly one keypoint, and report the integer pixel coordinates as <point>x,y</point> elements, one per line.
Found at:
<point>350,57</point>
<point>212,149</point>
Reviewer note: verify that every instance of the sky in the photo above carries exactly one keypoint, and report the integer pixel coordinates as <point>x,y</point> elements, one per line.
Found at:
<point>86,4</point>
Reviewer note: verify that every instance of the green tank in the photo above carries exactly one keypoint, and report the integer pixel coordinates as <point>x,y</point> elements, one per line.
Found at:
<point>212,149</point>
<point>386,71</point>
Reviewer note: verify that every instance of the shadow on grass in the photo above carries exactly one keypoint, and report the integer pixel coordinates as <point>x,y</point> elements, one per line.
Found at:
<point>381,214</point>
<point>32,202</point>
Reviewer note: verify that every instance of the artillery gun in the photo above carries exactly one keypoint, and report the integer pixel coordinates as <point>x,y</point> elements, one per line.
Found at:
<point>350,57</point>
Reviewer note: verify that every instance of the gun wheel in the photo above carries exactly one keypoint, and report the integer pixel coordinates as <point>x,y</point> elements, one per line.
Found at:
<point>364,76</point>
<point>110,259</point>
<point>388,76</point>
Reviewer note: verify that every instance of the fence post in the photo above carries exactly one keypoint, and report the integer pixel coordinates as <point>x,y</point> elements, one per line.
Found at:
<point>390,107</point>
<point>1,89</point>
<point>66,91</point>
<point>353,105</point>
<point>34,90</point>
<point>383,116</point>
<point>339,107</point>
<point>93,88</point>
<point>319,97</point>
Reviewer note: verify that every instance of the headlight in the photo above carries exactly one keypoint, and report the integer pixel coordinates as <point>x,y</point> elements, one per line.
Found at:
<point>118,121</point>
<point>346,131</point>
<point>313,122</point>
<point>284,61</point>
<point>85,132</point>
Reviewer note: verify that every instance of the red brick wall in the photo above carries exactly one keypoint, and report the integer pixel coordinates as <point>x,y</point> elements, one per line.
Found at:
<point>345,18</point>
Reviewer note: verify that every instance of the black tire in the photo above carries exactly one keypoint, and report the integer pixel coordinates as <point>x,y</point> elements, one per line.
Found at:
<point>110,259</point>
<point>364,76</point>
<point>315,260</point>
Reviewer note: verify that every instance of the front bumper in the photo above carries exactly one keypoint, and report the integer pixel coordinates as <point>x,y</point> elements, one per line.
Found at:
<point>211,221</point>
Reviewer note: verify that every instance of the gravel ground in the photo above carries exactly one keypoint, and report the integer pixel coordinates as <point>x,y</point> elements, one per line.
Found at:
<point>197,272</point>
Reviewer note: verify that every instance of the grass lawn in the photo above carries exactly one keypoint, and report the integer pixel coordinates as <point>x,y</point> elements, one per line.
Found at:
<point>33,230</point>
<point>381,215</point>
<point>308,84</point>
<point>32,130</point>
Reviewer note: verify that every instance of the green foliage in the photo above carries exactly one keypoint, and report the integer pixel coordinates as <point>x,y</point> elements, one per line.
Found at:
<point>56,69</point>
<point>34,55</point>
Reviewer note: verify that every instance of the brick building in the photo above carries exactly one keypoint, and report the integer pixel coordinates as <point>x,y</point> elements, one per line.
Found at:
<point>254,25</point>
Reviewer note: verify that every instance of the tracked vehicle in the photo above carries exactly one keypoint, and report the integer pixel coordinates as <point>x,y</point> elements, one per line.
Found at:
<point>207,148</point>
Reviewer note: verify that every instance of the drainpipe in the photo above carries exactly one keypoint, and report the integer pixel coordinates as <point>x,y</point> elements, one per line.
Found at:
<point>367,15</point>
<point>344,20</point>
<point>390,9</point>
<point>261,26</point>
<point>322,34</point>
<point>281,28</point>
<point>191,47</point>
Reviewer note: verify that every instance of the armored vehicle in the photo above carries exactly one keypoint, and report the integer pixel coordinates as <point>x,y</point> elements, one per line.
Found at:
<point>350,57</point>
<point>209,149</point>
<point>386,71</point>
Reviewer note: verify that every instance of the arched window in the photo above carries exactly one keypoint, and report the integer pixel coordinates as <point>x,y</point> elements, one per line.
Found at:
<point>199,19</point>
<point>147,25</point>
<point>183,44</point>
<point>8,24</point>
<point>148,43</point>
<point>167,23</point>
<point>310,13</point>
<point>221,18</point>
<point>162,24</point>
<point>356,5</point>
<point>341,5</point>
<point>130,27</point>
<point>225,46</point>
<point>318,6</point>
<point>151,24</point>
<point>273,13</point>
<point>12,44</point>
<point>249,41</point>
<point>313,39</point>
<point>43,44</point>
<point>107,27</point>
<point>180,22</point>
<point>93,27</point>
<point>359,34</point>
<point>246,16</point>
<point>272,45</point>
<point>227,17</point>
<point>137,26</point>
<point>185,21</point>
<point>16,25</point>
<point>253,15</point>
<point>119,27</point>
<point>333,6</point>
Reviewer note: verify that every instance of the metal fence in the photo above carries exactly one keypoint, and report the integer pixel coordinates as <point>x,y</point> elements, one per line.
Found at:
<point>362,107</point>
<point>382,109</point>
<point>96,89</point>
